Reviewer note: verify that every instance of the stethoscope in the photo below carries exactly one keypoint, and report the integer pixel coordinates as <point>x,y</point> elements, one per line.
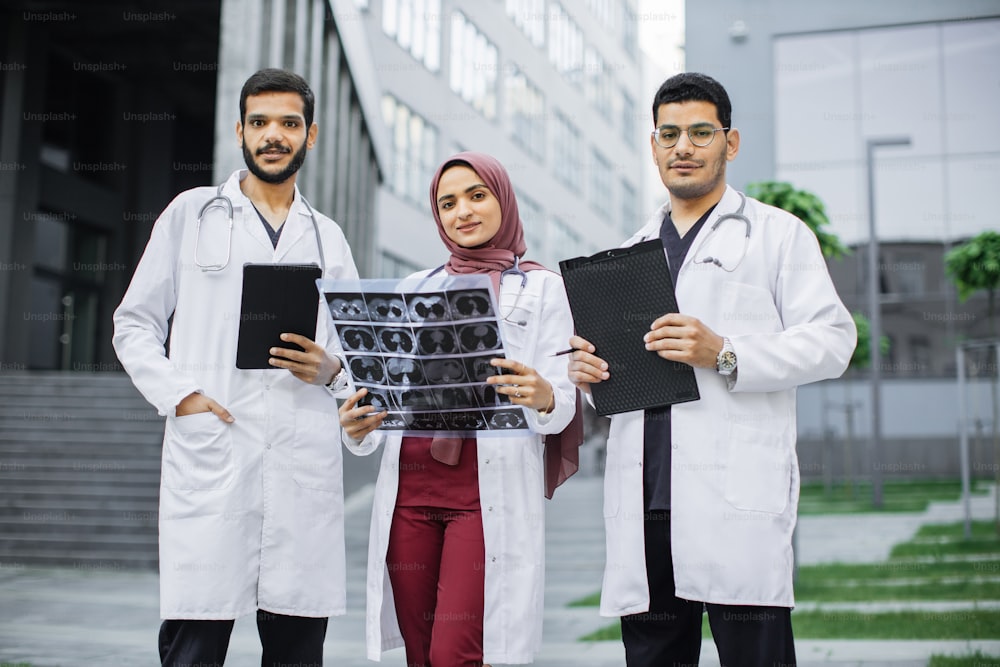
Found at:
<point>515,270</point>
<point>737,215</point>
<point>223,202</point>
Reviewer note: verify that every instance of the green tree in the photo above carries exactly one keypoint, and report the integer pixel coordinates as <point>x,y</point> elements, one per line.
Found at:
<point>804,205</point>
<point>972,267</point>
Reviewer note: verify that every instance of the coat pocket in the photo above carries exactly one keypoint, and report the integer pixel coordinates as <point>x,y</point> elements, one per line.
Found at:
<point>758,470</point>
<point>197,452</point>
<point>316,458</point>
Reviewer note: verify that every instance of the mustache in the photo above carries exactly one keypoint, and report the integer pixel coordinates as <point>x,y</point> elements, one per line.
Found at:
<point>672,162</point>
<point>273,147</point>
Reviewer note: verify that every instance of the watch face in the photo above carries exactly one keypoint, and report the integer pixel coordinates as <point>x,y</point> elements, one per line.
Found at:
<point>727,360</point>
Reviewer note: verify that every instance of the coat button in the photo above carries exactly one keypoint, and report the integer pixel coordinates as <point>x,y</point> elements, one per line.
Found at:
<point>490,508</point>
<point>493,559</point>
<point>487,461</point>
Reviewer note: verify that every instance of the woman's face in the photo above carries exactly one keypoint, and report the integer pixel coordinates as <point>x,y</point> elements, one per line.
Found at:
<point>469,211</point>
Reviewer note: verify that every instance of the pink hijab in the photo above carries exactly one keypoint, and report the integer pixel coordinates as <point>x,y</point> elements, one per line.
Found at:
<point>498,254</point>
<point>562,456</point>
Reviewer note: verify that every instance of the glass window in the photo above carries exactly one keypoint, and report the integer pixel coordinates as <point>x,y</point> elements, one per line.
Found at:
<point>394,266</point>
<point>529,16</point>
<point>474,65</point>
<point>565,240</point>
<point>630,211</point>
<point>603,11</point>
<point>416,27</point>
<point>628,118</point>
<point>630,31</point>
<point>526,108</point>
<point>565,44</point>
<point>598,82</point>
<point>414,144</point>
<point>600,185</point>
<point>906,274</point>
<point>533,220</point>
<point>567,153</point>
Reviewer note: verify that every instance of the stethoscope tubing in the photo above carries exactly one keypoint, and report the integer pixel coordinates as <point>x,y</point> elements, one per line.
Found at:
<point>227,205</point>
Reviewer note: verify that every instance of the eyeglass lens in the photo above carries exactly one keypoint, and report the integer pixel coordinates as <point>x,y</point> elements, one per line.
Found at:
<point>700,134</point>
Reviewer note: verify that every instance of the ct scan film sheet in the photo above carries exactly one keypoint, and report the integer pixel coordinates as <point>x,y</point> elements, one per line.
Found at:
<point>422,348</point>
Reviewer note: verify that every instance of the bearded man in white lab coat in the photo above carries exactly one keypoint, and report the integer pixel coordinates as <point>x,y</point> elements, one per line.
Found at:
<point>251,493</point>
<point>701,498</point>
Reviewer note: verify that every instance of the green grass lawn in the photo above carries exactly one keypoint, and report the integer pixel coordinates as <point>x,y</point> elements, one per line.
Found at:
<point>976,659</point>
<point>897,496</point>
<point>934,565</point>
<point>848,624</point>
<point>937,564</point>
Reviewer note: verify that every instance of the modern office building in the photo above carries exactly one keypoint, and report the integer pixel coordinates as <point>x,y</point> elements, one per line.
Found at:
<point>549,87</point>
<point>109,109</point>
<point>812,85</point>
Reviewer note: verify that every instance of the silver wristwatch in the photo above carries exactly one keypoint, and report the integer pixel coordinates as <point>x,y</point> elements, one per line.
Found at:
<point>725,363</point>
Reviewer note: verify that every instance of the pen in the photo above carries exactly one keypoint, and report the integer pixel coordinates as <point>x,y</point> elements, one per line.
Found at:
<point>562,352</point>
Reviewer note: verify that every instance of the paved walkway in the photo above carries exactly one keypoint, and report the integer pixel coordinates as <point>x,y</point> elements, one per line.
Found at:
<point>101,618</point>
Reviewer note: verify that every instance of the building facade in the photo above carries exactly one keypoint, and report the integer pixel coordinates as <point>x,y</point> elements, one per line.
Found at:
<point>109,111</point>
<point>549,87</point>
<point>812,84</point>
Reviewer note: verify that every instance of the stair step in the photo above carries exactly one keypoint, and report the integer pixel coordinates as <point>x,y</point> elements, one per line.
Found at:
<point>79,471</point>
<point>45,503</point>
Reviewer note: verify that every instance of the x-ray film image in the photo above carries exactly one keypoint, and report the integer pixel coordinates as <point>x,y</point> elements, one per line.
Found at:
<point>507,419</point>
<point>489,397</point>
<point>357,338</point>
<point>415,400</point>
<point>396,421</point>
<point>466,421</point>
<point>451,398</point>
<point>428,307</point>
<point>395,340</point>
<point>437,340</point>
<point>470,304</point>
<point>367,369</point>
<point>404,372</point>
<point>347,307</point>
<point>479,336</point>
<point>422,348</point>
<point>445,371</point>
<point>386,307</point>
<point>378,397</point>
<point>428,421</point>
<point>480,368</point>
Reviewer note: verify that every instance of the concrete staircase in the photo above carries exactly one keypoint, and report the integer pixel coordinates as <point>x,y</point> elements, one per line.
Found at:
<point>79,471</point>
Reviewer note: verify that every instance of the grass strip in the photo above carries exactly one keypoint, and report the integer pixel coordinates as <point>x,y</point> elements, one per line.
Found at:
<point>849,624</point>
<point>902,496</point>
<point>977,659</point>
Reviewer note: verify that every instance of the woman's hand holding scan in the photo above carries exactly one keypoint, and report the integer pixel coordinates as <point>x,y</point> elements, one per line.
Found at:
<point>358,421</point>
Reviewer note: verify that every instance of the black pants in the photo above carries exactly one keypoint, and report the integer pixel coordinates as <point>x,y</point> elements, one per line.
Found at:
<point>669,634</point>
<point>285,639</point>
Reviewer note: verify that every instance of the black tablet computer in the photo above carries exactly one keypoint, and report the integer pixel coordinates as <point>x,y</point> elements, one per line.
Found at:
<point>277,299</point>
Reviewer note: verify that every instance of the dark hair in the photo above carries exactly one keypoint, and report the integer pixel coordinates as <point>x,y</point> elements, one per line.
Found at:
<point>273,80</point>
<point>694,87</point>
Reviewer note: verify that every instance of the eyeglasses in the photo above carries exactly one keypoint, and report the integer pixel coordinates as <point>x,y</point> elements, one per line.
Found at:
<point>700,134</point>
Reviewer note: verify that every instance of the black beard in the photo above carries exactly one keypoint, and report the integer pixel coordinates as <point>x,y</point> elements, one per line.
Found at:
<point>281,176</point>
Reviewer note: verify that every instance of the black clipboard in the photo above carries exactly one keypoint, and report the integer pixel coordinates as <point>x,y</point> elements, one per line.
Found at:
<point>614,296</point>
<point>277,298</point>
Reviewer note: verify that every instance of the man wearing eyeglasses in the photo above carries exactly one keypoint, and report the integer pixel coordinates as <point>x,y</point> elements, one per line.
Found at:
<point>701,497</point>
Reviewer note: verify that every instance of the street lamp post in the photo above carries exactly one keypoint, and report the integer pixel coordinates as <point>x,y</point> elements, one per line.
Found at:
<point>875,310</point>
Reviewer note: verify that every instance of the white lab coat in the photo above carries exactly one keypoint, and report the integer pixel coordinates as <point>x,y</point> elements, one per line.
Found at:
<point>735,475</point>
<point>511,488</point>
<point>251,513</point>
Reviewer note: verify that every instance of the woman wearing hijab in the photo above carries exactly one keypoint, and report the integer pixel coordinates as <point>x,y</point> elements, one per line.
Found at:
<point>456,551</point>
